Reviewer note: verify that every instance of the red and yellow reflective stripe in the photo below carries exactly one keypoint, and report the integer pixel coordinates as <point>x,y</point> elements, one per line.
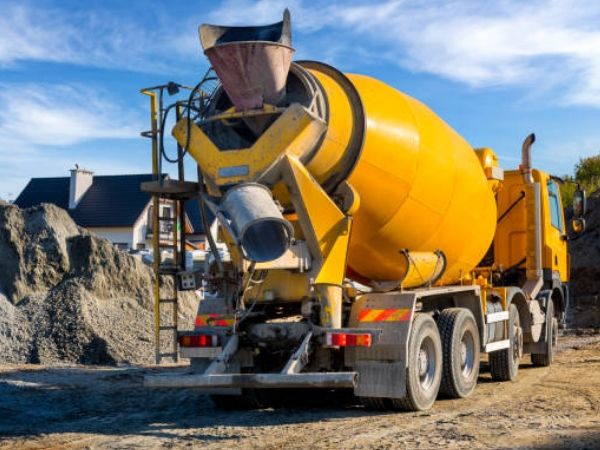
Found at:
<point>214,320</point>
<point>384,315</point>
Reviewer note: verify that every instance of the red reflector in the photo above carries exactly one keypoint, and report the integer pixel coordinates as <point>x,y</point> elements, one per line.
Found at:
<point>199,340</point>
<point>349,339</point>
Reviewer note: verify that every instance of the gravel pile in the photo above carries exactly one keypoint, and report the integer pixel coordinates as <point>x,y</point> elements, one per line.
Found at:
<point>584,309</point>
<point>67,295</point>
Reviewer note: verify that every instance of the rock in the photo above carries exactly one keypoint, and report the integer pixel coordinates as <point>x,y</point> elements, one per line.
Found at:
<point>70,296</point>
<point>584,308</point>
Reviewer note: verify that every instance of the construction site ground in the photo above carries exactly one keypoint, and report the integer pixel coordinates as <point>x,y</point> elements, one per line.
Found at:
<point>73,407</point>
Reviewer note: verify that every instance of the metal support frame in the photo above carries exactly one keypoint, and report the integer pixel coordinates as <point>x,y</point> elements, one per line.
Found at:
<point>299,358</point>
<point>219,365</point>
<point>331,380</point>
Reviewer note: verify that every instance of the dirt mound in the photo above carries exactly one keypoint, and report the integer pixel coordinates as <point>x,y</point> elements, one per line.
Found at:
<point>585,270</point>
<point>67,295</point>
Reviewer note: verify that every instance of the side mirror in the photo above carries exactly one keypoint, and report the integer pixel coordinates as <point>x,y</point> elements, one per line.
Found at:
<point>579,202</point>
<point>578,225</point>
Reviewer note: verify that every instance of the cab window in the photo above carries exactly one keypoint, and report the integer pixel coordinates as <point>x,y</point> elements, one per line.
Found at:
<point>554,201</point>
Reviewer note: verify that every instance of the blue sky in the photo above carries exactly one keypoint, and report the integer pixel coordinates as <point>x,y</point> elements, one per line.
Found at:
<point>70,71</point>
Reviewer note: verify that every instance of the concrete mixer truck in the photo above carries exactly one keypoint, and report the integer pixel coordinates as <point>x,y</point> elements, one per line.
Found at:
<point>370,247</point>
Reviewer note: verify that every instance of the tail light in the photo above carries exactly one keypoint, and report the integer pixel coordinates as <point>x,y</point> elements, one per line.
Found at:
<point>335,339</point>
<point>199,340</point>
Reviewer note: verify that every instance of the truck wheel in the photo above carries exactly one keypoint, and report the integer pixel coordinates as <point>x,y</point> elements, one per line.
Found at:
<point>504,364</point>
<point>424,371</point>
<point>460,343</point>
<point>545,359</point>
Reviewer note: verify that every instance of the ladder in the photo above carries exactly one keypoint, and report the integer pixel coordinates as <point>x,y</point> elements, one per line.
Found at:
<point>174,234</point>
<point>174,192</point>
<point>164,270</point>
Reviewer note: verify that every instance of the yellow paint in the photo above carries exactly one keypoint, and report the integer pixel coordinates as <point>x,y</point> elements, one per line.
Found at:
<point>330,228</point>
<point>295,132</point>
<point>421,268</point>
<point>284,284</point>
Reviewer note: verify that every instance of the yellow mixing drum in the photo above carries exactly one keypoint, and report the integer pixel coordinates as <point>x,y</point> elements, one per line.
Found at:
<point>421,185</point>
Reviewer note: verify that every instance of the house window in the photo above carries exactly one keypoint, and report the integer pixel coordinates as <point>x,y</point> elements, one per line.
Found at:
<point>122,245</point>
<point>555,210</point>
<point>141,246</point>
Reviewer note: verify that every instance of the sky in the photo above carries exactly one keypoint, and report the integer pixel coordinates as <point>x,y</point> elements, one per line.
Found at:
<point>71,71</point>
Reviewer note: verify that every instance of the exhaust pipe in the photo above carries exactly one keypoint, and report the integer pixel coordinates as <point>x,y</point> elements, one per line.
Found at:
<point>251,62</point>
<point>261,230</point>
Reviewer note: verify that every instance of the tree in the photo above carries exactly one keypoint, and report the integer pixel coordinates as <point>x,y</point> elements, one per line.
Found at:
<point>587,170</point>
<point>587,174</point>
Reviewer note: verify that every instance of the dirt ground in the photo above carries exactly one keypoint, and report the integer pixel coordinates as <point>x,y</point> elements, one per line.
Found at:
<point>83,407</point>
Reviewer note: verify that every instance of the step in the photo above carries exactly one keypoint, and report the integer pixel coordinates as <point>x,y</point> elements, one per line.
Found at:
<point>171,189</point>
<point>500,316</point>
<point>498,345</point>
<point>174,355</point>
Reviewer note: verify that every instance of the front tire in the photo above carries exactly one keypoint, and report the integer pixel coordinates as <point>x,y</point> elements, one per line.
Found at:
<point>424,365</point>
<point>460,342</point>
<point>504,364</point>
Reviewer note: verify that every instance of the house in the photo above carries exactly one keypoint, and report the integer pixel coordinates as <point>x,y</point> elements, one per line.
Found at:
<point>112,206</point>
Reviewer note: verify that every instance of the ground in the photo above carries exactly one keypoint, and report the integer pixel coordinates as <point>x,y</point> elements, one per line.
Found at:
<point>83,407</point>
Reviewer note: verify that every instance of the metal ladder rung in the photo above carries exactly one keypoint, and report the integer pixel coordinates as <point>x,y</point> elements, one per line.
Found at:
<point>166,218</point>
<point>168,300</point>
<point>168,328</point>
<point>168,355</point>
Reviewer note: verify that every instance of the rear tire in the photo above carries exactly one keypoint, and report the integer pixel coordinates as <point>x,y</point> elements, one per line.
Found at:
<point>460,343</point>
<point>545,359</point>
<point>424,366</point>
<point>504,364</point>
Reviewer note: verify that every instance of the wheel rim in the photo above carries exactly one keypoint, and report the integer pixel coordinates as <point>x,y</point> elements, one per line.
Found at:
<point>426,363</point>
<point>467,354</point>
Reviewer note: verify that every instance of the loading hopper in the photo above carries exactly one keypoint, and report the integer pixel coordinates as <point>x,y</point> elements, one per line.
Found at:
<point>251,62</point>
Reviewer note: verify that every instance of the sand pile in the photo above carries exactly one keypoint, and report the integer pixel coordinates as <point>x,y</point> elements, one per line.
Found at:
<point>67,295</point>
<point>584,309</point>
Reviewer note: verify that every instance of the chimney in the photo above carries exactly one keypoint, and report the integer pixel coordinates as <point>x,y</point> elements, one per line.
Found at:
<point>81,180</point>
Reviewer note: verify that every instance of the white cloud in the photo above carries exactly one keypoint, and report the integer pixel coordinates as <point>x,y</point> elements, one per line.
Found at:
<point>536,44</point>
<point>98,38</point>
<point>59,115</point>
<point>40,124</point>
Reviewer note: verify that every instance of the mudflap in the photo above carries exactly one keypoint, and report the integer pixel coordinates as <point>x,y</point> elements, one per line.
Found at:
<point>382,367</point>
<point>539,347</point>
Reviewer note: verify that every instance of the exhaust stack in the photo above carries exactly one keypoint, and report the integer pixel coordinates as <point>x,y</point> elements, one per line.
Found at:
<point>251,62</point>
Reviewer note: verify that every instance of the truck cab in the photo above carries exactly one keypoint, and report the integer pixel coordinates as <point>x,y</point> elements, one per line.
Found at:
<point>510,243</point>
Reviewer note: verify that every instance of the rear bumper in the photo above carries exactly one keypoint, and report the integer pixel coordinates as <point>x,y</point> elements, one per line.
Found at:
<point>259,380</point>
